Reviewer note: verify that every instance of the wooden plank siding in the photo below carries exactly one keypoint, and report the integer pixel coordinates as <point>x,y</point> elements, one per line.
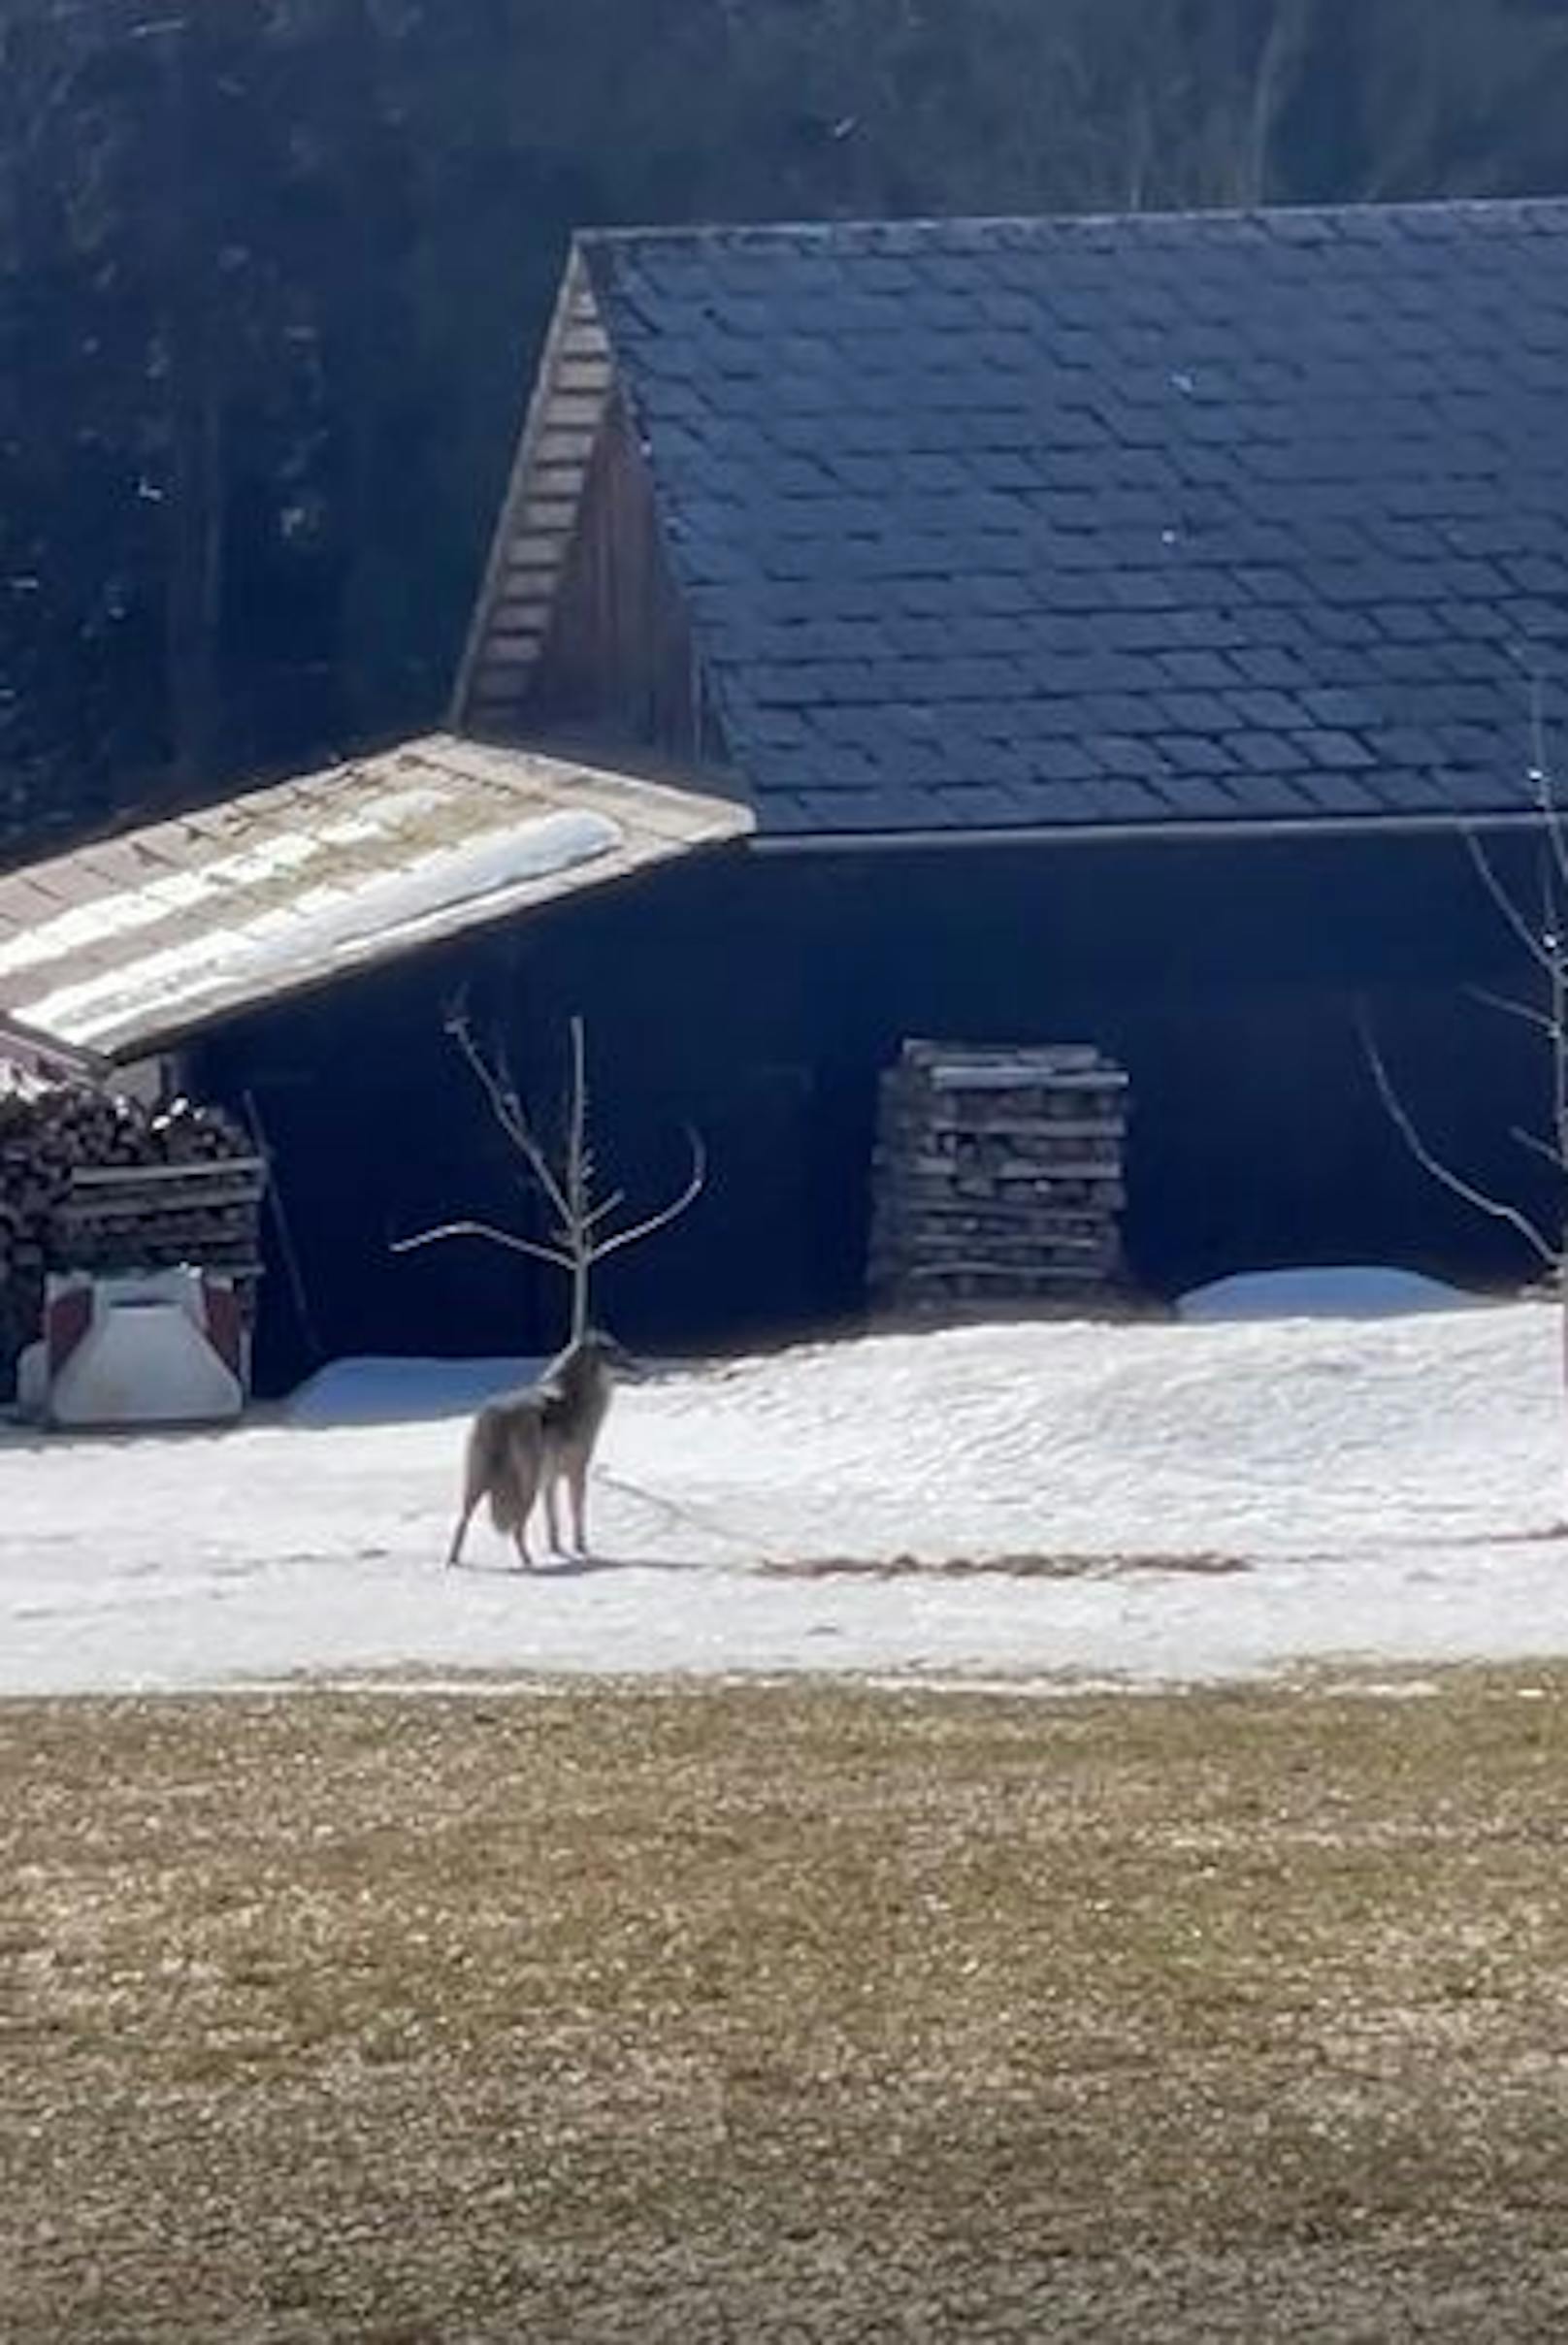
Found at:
<point>534,533</point>
<point>618,663</point>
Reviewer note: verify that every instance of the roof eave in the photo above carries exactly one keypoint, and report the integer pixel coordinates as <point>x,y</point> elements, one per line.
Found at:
<point>1196,831</point>
<point>152,1039</point>
<point>71,1058</point>
<point>408,850</point>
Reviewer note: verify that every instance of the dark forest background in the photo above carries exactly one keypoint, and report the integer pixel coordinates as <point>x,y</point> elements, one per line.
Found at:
<point>273,274</point>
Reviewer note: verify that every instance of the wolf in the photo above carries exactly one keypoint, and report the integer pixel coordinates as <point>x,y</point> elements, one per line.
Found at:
<point>527,1442</point>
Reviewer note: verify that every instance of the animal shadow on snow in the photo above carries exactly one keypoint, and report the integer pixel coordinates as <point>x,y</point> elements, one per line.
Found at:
<point>561,1567</point>
<point>20,1435</point>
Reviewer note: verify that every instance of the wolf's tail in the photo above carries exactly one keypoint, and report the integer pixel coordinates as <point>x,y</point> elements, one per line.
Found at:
<point>504,1465</point>
<point>484,1467</point>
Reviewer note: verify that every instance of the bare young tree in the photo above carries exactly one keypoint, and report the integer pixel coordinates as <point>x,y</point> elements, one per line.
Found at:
<point>1541,931</point>
<point>584,1230</point>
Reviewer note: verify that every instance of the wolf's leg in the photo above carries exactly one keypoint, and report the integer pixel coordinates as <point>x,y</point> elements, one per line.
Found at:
<point>460,1534</point>
<point>454,1553</point>
<point>475,1481</point>
<point>527,1463</point>
<point>552,1523</point>
<point>578,1490</point>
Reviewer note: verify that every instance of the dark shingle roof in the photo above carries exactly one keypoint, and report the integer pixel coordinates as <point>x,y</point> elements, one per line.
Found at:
<point>1064,522</point>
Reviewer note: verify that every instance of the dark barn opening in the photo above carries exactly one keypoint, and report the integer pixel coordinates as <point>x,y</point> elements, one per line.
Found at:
<point>757,997</point>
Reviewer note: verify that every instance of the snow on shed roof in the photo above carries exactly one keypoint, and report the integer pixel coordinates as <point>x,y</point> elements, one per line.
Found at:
<point>31,1061</point>
<point>128,945</point>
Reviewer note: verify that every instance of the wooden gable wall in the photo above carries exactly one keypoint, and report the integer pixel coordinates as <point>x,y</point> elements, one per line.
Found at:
<point>618,663</point>
<point>533,539</point>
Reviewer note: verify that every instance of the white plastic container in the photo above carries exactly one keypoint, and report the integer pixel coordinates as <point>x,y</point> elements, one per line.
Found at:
<point>161,1347</point>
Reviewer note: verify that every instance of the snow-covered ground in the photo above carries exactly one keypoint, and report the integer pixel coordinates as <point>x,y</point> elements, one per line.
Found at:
<point>1159,1503</point>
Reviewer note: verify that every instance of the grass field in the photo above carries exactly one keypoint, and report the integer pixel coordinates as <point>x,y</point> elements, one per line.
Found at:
<point>787,2013</point>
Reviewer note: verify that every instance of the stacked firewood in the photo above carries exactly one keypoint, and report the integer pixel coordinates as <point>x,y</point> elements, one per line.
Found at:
<point>998,1181</point>
<point>90,1181</point>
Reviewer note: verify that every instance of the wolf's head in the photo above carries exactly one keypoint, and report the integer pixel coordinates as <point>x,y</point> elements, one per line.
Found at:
<point>607,1351</point>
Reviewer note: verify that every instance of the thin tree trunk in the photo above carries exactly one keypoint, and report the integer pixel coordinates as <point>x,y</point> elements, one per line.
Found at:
<point>196,577</point>
<point>1557,983</point>
<point>1281,46</point>
<point>583,1231</point>
<point>195,493</point>
<point>579,1185</point>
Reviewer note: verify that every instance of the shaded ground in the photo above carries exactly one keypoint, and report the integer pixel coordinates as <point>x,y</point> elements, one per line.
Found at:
<point>787,2013</point>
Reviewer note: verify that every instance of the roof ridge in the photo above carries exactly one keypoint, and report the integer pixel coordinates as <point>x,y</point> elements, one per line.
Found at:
<point>930,227</point>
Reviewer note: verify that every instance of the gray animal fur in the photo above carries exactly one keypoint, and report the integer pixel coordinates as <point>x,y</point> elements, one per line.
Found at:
<point>526,1444</point>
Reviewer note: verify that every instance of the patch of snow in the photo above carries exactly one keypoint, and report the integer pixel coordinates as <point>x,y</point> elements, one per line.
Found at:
<point>1341,1291</point>
<point>329,925</point>
<point>431,883</point>
<point>1390,1492</point>
<point>252,866</point>
<point>397,1391</point>
<point>377,814</point>
<point>148,905</point>
<point>19,1081</point>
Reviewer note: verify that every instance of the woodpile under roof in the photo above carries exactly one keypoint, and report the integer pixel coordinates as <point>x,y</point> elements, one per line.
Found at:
<point>92,1180</point>
<point>998,1180</point>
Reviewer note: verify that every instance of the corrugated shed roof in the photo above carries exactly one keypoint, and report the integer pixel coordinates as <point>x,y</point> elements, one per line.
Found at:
<point>128,945</point>
<point>1024,523</point>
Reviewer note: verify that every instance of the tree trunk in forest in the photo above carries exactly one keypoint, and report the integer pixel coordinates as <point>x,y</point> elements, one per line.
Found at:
<point>194,490</point>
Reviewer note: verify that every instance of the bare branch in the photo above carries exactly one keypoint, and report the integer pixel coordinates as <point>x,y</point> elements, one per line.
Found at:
<point>491,1236</point>
<point>1505,904</point>
<point>578,1161</point>
<point>667,1214</point>
<point>1558,1006</point>
<point>579,1185</point>
<point>506,1106</point>
<point>601,1213</point>
<point>1541,783</point>
<point>1281,53</point>
<point>1495,1207</point>
<point>1505,1002</point>
<point>580,1236</point>
<point>1537,1146</point>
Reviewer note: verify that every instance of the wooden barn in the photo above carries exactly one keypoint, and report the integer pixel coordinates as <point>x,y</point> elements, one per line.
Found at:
<point>1098,633</point>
